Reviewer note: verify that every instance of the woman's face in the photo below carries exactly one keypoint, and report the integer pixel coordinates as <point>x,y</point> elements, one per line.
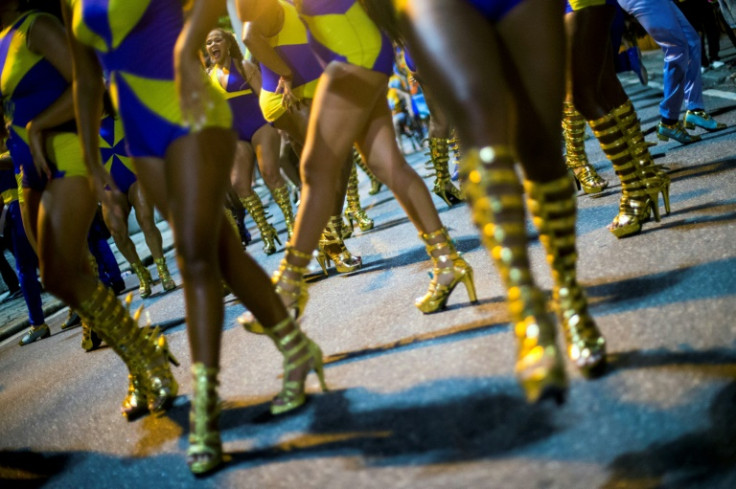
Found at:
<point>217,47</point>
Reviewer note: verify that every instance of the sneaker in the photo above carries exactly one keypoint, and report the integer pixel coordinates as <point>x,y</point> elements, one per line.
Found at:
<point>35,333</point>
<point>676,132</point>
<point>701,118</point>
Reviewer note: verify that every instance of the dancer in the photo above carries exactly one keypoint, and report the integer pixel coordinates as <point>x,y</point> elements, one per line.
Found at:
<point>117,162</point>
<point>350,108</point>
<point>177,125</point>
<point>58,203</point>
<point>594,90</point>
<point>278,39</point>
<point>506,105</point>
<point>241,82</point>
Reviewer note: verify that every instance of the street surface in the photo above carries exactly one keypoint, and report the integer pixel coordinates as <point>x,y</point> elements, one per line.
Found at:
<point>430,401</point>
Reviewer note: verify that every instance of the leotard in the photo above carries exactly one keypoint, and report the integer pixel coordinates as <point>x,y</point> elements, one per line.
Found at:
<point>115,155</point>
<point>247,117</point>
<point>134,40</point>
<point>29,84</point>
<point>341,30</point>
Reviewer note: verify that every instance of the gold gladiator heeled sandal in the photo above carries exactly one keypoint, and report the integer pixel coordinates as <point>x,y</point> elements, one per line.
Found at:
<point>653,176</point>
<point>331,247</point>
<point>636,204</point>
<point>288,283</point>
<point>495,194</point>
<point>205,444</point>
<point>282,197</point>
<point>354,211</point>
<point>552,205</point>
<point>141,353</point>
<point>443,187</point>
<point>446,261</point>
<point>270,237</point>
<point>163,274</point>
<point>375,182</point>
<point>90,340</point>
<point>298,350</point>
<point>573,131</point>
<point>144,277</point>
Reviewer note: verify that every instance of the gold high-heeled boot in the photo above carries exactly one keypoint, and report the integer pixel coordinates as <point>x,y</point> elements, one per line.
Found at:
<point>332,247</point>
<point>354,211</point>
<point>375,183</point>
<point>552,205</point>
<point>205,444</point>
<point>573,131</point>
<point>654,177</point>
<point>298,350</point>
<point>637,201</point>
<point>495,194</point>
<point>282,197</point>
<point>163,273</point>
<point>135,346</point>
<point>144,277</point>
<point>446,261</point>
<point>289,283</point>
<point>443,187</point>
<point>270,237</point>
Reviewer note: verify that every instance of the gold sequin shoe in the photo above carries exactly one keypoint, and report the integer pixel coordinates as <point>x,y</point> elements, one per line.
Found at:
<point>282,196</point>
<point>331,247</point>
<point>144,277</point>
<point>136,346</point>
<point>354,211</point>
<point>270,237</point>
<point>205,444</point>
<point>163,273</point>
<point>443,186</point>
<point>446,262</point>
<point>636,204</point>
<point>495,194</point>
<point>288,283</point>
<point>573,131</point>
<point>301,356</point>
<point>552,205</point>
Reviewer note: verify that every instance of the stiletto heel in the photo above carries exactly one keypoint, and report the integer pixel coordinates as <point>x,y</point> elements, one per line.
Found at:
<point>552,204</point>
<point>573,131</point>
<point>443,186</point>
<point>254,206</point>
<point>205,444</point>
<point>447,261</point>
<point>495,194</point>
<point>298,350</point>
<point>323,261</point>
<point>146,357</point>
<point>332,246</point>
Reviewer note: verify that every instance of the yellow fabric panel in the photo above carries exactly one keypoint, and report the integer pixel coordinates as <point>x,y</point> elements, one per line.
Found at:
<point>19,59</point>
<point>65,151</point>
<point>581,4</point>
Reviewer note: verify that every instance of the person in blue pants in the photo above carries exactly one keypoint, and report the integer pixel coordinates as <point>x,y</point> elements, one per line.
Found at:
<point>669,28</point>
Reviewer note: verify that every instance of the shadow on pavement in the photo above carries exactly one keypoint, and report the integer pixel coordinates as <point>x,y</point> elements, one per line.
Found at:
<point>27,469</point>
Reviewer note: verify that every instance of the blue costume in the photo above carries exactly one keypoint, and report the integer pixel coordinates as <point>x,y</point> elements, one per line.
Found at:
<point>142,79</point>
<point>243,101</point>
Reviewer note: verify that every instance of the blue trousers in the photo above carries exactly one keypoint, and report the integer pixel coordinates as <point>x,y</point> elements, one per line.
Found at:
<point>26,264</point>
<point>681,45</point>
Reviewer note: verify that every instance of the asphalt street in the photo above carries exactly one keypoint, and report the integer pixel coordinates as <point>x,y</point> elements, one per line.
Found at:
<point>430,401</point>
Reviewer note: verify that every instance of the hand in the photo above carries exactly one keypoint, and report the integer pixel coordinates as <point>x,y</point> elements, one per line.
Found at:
<point>108,194</point>
<point>36,145</point>
<point>192,90</point>
<point>289,100</point>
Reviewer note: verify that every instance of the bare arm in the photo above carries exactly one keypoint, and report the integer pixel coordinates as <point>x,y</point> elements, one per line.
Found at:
<point>253,75</point>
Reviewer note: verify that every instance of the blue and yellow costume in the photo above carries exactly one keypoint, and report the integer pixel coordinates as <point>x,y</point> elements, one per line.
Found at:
<point>26,261</point>
<point>341,30</point>
<point>574,5</point>
<point>115,155</point>
<point>122,33</point>
<point>29,84</point>
<point>292,45</point>
<point>247,116</point>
